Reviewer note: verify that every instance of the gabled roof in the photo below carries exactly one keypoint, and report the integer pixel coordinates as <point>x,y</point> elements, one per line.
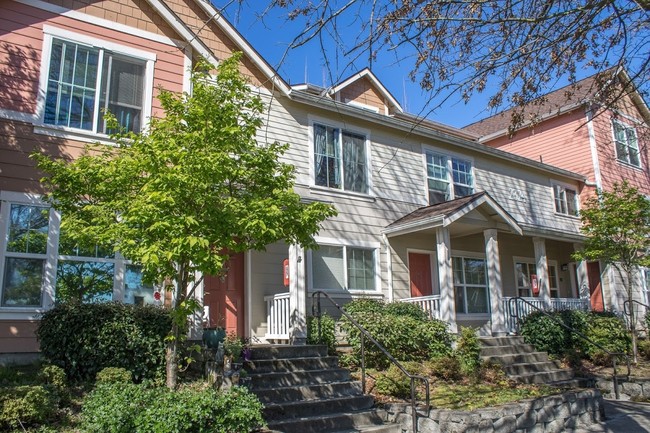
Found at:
<point>195,42</point>
<point>367,73</point>
<point>445,214</point>
<point>555,103</point>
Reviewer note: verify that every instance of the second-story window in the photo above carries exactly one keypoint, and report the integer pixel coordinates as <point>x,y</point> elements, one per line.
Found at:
<point>566,200</point>
<point>85,81</point>
<point>627,146</point>
<point>340,159</point>
<point>443,172</point>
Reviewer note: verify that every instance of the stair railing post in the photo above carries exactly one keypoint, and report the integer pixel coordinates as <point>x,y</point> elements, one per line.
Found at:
<point>320,336</point>
<point>363,363</point>
<point>413,408</point>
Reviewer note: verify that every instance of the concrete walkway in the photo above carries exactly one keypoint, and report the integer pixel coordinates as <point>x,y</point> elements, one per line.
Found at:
<point>622,417</point>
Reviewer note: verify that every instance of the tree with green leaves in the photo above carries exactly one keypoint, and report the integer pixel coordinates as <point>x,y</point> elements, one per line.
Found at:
<point>182,197</point>
<point>616,224</point>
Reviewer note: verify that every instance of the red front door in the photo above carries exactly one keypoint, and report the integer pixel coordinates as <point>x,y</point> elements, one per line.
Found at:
<point>595,286</point>
<point>225,297</point>
<point>420,274</point>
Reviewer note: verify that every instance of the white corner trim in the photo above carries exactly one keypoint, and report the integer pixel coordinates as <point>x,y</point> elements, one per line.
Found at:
<point>594,149</point>
<point>80,16</point>
<point>187,71</point>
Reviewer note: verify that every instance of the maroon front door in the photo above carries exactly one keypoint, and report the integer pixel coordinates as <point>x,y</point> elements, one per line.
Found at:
<point>595,286</point>
<point>225,297</point>
<point>420,274</point>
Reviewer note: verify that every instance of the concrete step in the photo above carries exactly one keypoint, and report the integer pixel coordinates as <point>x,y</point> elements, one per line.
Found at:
<point>501,341</point>
<point>308,392</point>
<point>548,377</point>
<point>341,422</point>
<point>388,428</point>
<point>316,408</point>
<point>529,367</point>
<point>282,351</point>
<point>516,358</point>
<point>506,350</point>
<point>291,364</point>
<point>297,378</point>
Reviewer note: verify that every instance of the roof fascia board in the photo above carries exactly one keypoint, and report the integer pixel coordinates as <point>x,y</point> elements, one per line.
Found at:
<point>375,81</point>
<point>177,24</point>
<point>416,226</point>
<point>239,40</point>
<point>484,199</point>
<point>559,235</point>
<point>403,125</point>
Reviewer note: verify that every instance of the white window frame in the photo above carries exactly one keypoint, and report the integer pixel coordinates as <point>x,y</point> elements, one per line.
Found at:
<point>625,159</point>
<point>374,246</point>
<point>563,198</point>
<point>51,32</point>
<point>449,158</point>
<point>532,261</point>
<point>645,277</point>
<point>313,120</point>
<point>476,256</point>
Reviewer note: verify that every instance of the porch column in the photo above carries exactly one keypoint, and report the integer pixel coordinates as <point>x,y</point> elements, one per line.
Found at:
<point>581,277</point>
<point>297,296</point>
<point>494,281</point>
<point>445,275</point>
<point>542,271</point>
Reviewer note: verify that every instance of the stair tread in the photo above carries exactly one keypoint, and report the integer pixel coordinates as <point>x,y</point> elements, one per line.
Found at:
<point>318,401</point>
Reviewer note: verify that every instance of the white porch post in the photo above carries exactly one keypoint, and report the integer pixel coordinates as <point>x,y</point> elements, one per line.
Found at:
<point>494,281</point>
<point>542,271</point>
<point>297,296</point>
<point>447,295</point>
<point>581,271</point>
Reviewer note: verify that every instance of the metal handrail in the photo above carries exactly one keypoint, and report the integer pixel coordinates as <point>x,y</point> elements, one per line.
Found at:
<point>612,355</point>
<point>365,334</point>
<point>630,301</point>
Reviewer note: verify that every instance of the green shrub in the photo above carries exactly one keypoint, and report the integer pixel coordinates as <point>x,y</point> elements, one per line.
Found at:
<point>85,338</point>
<point>131,408</point>
<point>328,332</point>
<point>406,338</point>
<point>26,405</point>
<point>53,375</point>
<point>603,328</point>
<point>114,375</point>
<point>446,368</point>
<point>644,348</point>
<point>468,351</point>
<point>363,305</point>
<point>406,309</point>
<point>393,382</point>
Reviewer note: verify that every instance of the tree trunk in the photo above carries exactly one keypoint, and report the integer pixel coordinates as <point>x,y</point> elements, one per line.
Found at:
<point>630,298</point>
<point>171,358</point>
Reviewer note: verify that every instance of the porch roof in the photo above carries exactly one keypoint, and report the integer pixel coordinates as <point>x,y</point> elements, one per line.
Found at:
<point>445,214</point>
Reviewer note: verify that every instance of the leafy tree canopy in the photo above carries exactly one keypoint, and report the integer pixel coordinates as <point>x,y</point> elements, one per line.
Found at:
<point>193,189</point>
<point>515,51</point>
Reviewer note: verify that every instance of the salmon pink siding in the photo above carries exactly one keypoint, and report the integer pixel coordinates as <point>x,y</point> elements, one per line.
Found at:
<point>363,92</point>
<point>23,53</point>
<point>562,141</point>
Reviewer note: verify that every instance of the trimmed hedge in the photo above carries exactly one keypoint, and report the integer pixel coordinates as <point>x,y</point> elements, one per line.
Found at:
<point>85,338</point>
<point>27,405</point>
<point>131,408</point>
<point>405,333</point>
<point>603,328</point>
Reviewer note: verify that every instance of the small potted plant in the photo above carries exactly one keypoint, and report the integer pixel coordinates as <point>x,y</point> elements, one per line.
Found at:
<point>213,334</point>
<point>236,348</point>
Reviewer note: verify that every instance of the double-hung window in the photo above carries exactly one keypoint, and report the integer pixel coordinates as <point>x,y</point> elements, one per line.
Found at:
<point>340,159</point>
<point>336,267</point>
<point>87,78</point>
<point>627,145</point>
<point>448,177</point>
<point>566,200</point>
<point>25,254</point>
<point>470,285</point>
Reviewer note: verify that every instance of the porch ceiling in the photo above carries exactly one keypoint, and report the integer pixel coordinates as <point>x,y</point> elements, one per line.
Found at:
<point>463,216</point>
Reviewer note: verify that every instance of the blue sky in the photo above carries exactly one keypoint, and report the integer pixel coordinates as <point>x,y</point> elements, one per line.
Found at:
<point>272,35</point>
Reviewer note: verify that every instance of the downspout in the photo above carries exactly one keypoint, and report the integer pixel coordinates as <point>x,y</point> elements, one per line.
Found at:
<point>389,268</point>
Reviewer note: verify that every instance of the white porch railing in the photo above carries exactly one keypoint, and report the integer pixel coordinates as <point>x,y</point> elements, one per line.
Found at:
<point>518,309</point>
<point>277,316</point>
<point>430,304</point>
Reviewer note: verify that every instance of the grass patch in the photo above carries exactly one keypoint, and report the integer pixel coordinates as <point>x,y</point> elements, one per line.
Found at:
<point>474,396</point>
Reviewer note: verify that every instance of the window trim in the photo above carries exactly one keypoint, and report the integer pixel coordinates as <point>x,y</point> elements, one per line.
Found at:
<point>450,156</point>
<point>51,32</point>
<point>566,186</point>
<point>476,256</point>
<point>314,120</point>
<point>375,246</point>
<point>625,126</point>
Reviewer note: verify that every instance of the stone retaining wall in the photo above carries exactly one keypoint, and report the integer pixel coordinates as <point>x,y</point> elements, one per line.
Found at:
<point>628,388</point>
<point>555,413</point>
